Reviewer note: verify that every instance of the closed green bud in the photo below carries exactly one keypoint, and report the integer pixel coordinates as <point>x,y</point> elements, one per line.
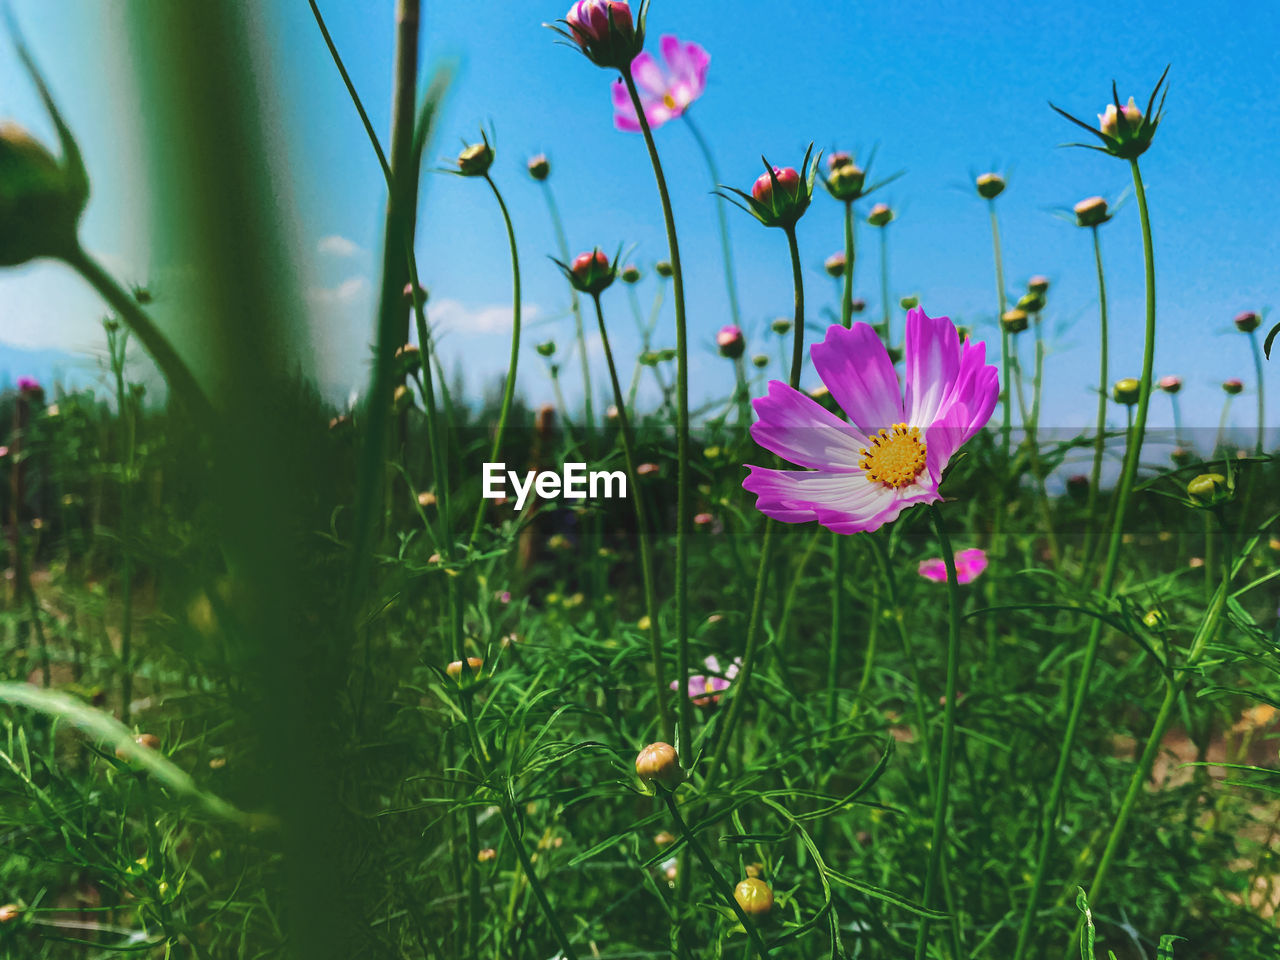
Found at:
<point>546,348</point>
<point>1014,321</point>
<point>990,185</point>
<point>663,268</point>
<point>760,360</point>
<point>1031,302</point>
<point>781,326</point>
<point>1209,489</point>
<point>41,198</point>
<point>1126,391</point>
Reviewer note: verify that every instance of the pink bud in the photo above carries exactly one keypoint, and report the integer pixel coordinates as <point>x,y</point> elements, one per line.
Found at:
<point>1233,385</point>
<point>1109,120</point>
<point>1170,384</point>
<point>730,341</point>
<point>788,182</point>
<point>590,20</point>
<point>582,263</point>
<point>1248,321</point>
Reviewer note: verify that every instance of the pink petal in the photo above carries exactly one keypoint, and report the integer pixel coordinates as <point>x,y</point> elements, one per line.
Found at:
<point>687,65</point>
<point>977,386</point>
<point>855,367</point>
<point>932,353</point>
<point>624,113</point>
<point>798,496</point>
<point>648,76</point>
<point>944,438</point>
<point>970,564</point>
<point>934,569</point>
<point>799,429</point>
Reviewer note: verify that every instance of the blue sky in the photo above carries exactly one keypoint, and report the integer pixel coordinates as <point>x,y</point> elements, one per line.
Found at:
<point>944,90</point>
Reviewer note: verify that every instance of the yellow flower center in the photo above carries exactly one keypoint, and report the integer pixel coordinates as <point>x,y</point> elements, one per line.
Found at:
<point>668,101</point>
<point>896,456</point>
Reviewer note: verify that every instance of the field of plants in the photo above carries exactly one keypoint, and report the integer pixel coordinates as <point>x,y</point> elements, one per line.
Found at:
<point>864,656</point>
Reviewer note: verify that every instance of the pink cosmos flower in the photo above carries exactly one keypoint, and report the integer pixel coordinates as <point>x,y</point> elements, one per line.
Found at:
<point>666,90</point>
<point>892,451</point>
<point>969,564</point>
<point>706,690</point>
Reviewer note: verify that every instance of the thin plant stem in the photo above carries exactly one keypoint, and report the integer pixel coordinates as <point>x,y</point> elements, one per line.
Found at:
<point>1220,441</point>
<point>1033,445</point>
<point>116,343</point>
<point>1006,421</point>
<point>531,876</point>
<point>726,247</point>
<point>509,390</point>
<point>1262,403</point>
<point>721,884</point>
<point>645,537</point>
<point>846,301</point>
<point>942,794</point>
<point>1100,429</point>
<point>1177,418</point>
<point>1128,473</point>
<point>684,740</point>
<point>837,627</point>
<point>575,306</point>
<point>884,282</point>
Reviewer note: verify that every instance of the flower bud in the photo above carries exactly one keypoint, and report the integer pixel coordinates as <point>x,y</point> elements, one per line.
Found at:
<point>1209,489</point>
<point>1248,321</point>
<point>1091,211</point>
<point>1014,321</point>
<point>401,399</point>
<point>9,911</point>
<point>539,167</point>
<point>909,303</point>
<point>858,305</point>
<point>41,198</point>
<point>474,665</point>
<point>837,159</point>
<point>592,273</point>
<point>663,268</point>
<point>630,273</point>
<point>1170,384</point>
<point>834,264</point>
<point>427,499</point>
<point>846,181</point>
<point>148,740</point>
<point>880,215</point>
<point>409,358</point>
<point>1031,302</point>
<point>1155,620</point>
<point>1126,391</point>
<point>1232,386</point>
<point>1038,284</point>
<point>546,348</point>
<point>781,326</point>
<point>1120,124</point>
<point>731,342</point>
<point>658,764</point>
<point>990,185</point>
<point>760,360</point>
<point>785,202</point>
<point>416,298</point>
<point>1181,456</point>
<point>475,160</point>
<point>647,469</point>
<point>1078,486</point>
<point>754,897</point>
<point>605,32</point>
<point>487,854</point>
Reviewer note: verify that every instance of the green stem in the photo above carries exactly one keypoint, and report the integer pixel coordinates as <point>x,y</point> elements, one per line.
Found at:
<point>797,332</point>
<point>575,306</point>
<point>1133,453</point>
<point>1006,422</point>
<point>722,885</point>
<point>684,741</point>
<point>531,875</point>
<point>509,390</point>
<point>884,282</point>
<point>116,343</point>
<point>846,301</point>
<point>1262,404</point>
<point>942,795</point>
<point>1033,447</point>
<point>644,534</point>
<point>726,248</point>
<point>1100,430</point>
<point>176,373</point>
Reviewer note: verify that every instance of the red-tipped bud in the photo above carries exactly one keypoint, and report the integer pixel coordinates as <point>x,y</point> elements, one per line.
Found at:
<point>1091,211</point>
<point>1078,486</point>
<point>784,197</point>
<point>1170,384</point>
<point>605,31</point>
<point>592,272</point>
<point>990,185</point>
<point>1232,386</point>
<point>539,167</point>
<point>1038,284</point>
<point>658,764</point>
<point>731,342</point>
<point>881,215</point>
<point>1248,321</point>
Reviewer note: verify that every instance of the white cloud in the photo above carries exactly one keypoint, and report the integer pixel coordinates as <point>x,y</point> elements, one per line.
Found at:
<point>457,317</point>
<point>337,246</point>
<point>348,291</point>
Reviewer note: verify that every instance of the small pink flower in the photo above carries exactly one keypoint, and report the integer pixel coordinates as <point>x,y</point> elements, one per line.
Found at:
<point>730,342</point>
<point>702,519</point>
<point>969,565</point>
<point>667,89</point>
<point>893,450</point>
<point>503,596</point>
<point>29,385</point>
<point>705,690</point>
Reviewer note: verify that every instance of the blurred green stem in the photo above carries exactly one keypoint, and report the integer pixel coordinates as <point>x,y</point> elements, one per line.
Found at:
<point>846,301</point>
<point>1262,403</point>
<point>1133,453</point>
<point>531,875</point>
<point>509,390</point>
<point>942,793</point>
<point>575,305</point>
<point>726,248</point>
<point>645,537</point>
<point>684,738</point>
<point>884,282</point>
<point>116,343</point>
<point>1033,446</point>
<point>721,884</point>
<point>1100,429</point>
<point>1006,421</point>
